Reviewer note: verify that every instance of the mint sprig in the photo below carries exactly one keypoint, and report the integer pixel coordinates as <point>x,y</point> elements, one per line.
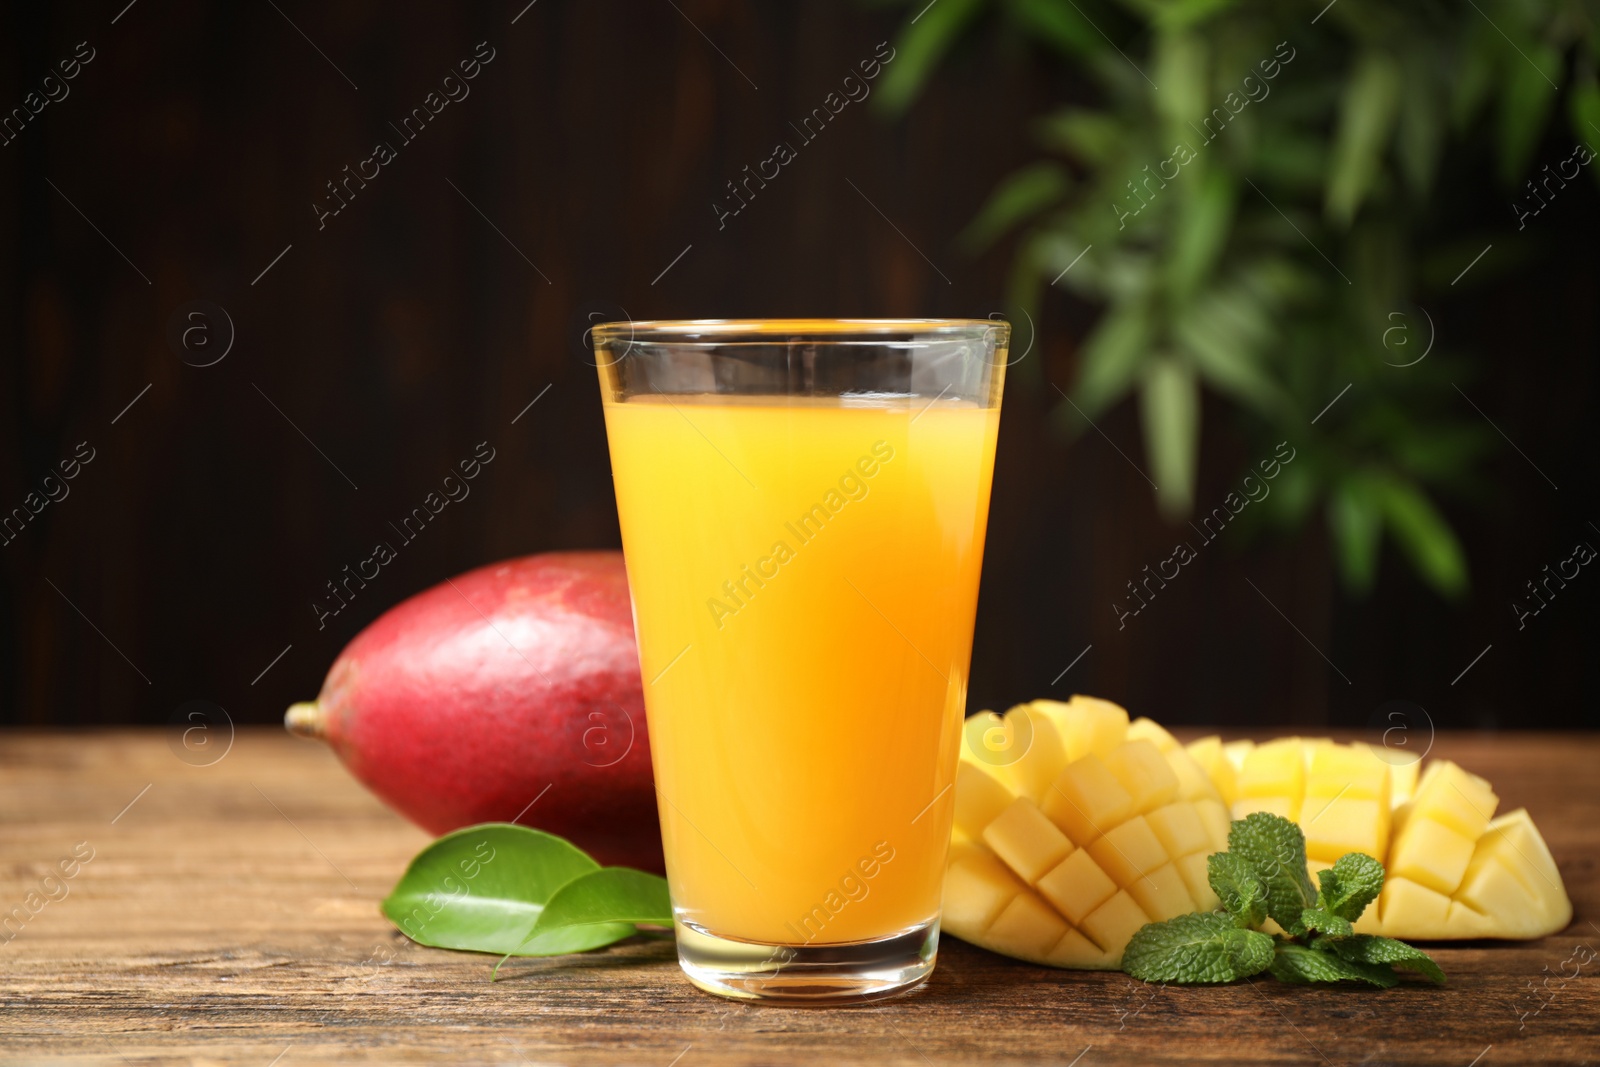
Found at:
<point>1263,874</point>
<point>515,891</point>
<point>1276,849</point>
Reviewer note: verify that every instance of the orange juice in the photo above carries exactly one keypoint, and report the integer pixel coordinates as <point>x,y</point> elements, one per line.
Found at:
<point>804,575</point>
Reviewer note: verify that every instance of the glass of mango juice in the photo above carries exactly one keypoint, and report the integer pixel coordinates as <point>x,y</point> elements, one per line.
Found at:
<point>803,505</point>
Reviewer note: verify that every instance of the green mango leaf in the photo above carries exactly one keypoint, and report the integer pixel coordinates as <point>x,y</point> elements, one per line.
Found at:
<point>1020,196</point>
<point>1424,536</point>
<point>922,43</point>
<point>1170,410</point>
<point>611,895</point>
<point>482,888</point>
<point>1366,121</point>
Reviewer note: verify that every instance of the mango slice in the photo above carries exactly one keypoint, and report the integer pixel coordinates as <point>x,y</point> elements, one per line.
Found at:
<point>1074,827</point>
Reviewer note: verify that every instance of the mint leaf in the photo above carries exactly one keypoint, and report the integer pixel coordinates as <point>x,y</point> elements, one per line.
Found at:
<point>1294,962</point>
<point>1365,948</point>
<point>1326,923</point>
<point>1352,883</point>
<point>1250,951</point>
<point>482,888</point>
<point>1276,849</point>
<point>1199,947</point>
<point>1236,885</point>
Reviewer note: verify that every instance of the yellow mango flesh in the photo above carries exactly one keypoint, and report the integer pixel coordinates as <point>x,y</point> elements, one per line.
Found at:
<point>1099,825</point>
<point>1067,872</point>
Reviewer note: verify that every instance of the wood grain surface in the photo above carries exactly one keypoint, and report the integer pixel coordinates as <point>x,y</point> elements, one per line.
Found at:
<point>229,915</point>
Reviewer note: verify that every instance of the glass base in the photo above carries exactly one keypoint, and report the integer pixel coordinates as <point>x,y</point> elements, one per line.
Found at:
<point>818,975</point>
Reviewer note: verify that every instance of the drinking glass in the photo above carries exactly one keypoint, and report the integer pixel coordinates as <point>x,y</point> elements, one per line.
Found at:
<point>803,505</point>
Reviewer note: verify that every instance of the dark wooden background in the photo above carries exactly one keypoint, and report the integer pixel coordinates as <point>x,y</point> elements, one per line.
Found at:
<point>451,292</point>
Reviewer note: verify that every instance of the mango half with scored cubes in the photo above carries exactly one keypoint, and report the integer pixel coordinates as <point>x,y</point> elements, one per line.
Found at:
<point>1074,827</point>
<point>1453,868</point>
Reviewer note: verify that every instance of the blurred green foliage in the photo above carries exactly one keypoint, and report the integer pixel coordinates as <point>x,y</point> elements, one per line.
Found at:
<point>1253,201</point>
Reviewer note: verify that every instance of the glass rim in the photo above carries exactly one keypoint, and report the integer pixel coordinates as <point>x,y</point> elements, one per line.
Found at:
<point>728,331</point>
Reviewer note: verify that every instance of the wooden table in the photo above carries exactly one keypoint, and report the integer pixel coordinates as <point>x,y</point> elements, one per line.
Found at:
<point>229,915</point>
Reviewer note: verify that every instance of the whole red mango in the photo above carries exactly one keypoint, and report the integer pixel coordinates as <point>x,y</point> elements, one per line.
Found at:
<point>510,693</point>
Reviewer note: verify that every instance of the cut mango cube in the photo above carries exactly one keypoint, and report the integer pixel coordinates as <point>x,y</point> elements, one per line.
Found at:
<point>1193,782</point>
<point>1336,825</point>
<point>1162,892</point>
<point>1043,755</point>
<point>980,798</point>
<point>1114,922</point>
<point>977,887</point>
<point>1404,904</point>
<point>1077,886</point>
<point>1026,841</point>
<point>1092,726</point>
<point>1028,927</point>
<point>1208,755</point>
<point>1087,800</point>
<point>1143,729</point>
<point>1075,950</point>
<point>1272,778</point>
<point>1196,875</point>
<point>1431,854</point>
<point>1128,852</point>
<point>1144,772</point>
<point>1179,829</point>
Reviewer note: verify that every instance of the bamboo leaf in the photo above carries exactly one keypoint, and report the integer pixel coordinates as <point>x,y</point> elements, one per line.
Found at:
<point>1087,135</point>
<point>920,46</point>
<point>1112,357</point>
<point>1366,120</point>
<point>1018,197</point>
<point>1424,536</point>
<point>1421,128</point>
<point>1205,218</point>
<point>1525,101</point>
<point>1356,518</point>
<point>1170,409</point>
<point>1061,25</point>
<point>1181,66</point>
<point>1583,109</point>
